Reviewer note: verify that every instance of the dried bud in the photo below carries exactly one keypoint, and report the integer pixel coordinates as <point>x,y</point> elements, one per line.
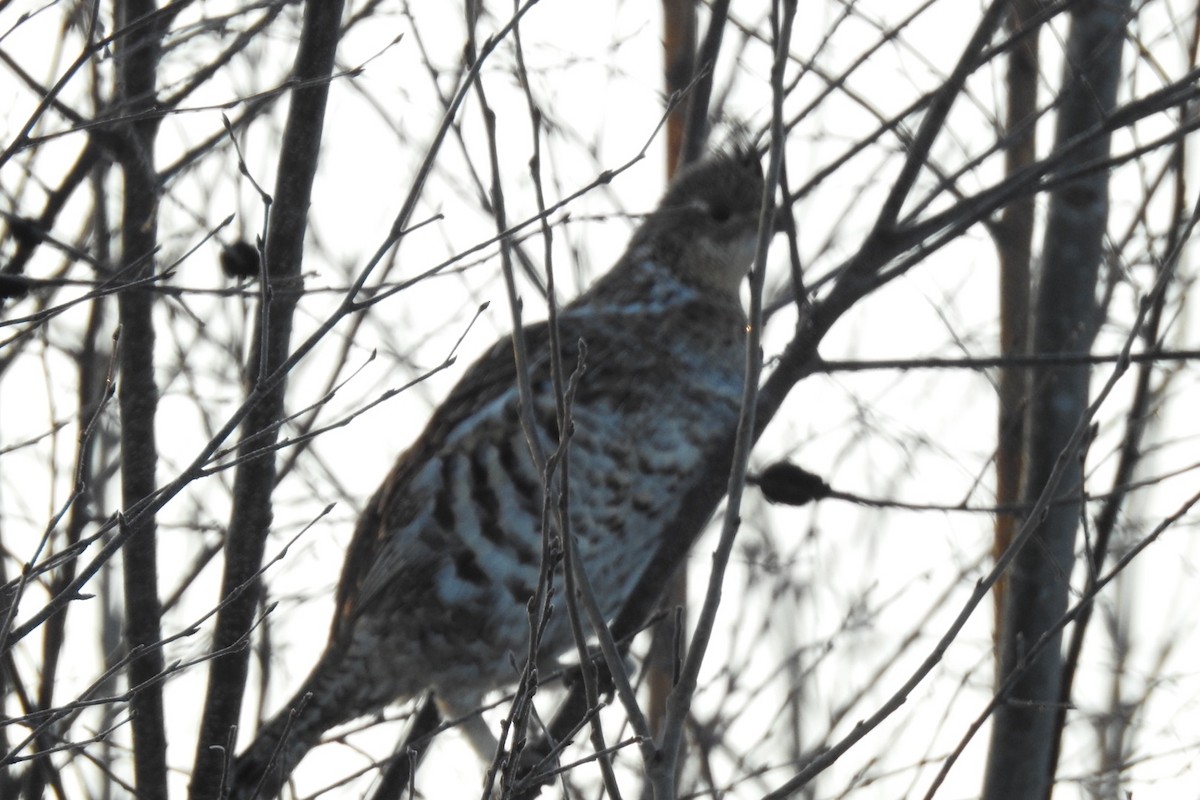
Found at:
<point>788,484</point>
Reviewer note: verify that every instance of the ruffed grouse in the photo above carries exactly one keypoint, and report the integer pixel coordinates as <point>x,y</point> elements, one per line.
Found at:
<point>445,557</point>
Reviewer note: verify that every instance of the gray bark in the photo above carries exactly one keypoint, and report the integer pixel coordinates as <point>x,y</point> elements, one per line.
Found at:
<point>250,520</point>
<point>137,56</point>
<point>1064,322</point>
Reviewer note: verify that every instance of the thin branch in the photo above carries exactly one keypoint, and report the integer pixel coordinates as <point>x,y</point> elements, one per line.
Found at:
<point>679,702</point>
<point>250,519</point>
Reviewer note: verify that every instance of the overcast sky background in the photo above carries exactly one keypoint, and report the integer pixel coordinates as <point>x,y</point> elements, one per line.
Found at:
<point>862,579</point>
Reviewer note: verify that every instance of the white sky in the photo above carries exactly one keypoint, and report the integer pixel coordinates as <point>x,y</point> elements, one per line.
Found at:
<point>867,578</point>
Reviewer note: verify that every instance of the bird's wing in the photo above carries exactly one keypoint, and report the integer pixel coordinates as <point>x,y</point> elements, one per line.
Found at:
<point>375,561</point>
<point>387,512</point>
<point>478,404</point>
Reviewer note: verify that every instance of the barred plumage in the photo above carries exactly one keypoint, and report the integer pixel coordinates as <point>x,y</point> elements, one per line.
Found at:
<point>446,555</point>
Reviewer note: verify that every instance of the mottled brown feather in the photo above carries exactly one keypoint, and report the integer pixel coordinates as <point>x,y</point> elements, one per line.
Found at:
<point>444,556</point>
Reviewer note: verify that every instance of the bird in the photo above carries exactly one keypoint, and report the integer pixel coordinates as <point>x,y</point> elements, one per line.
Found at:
<point>445,557</point>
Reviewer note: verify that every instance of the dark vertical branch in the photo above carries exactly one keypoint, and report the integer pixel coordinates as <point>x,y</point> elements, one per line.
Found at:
<point>250,519</point>
<point>1140,410</point>
<point>679,64</point>
<point>679,702</point>
<point>1014,241</point>
<point>702,66</point>
<point>8,777</point>
<point>1064,322</point>
<point>687,139</point>
<point>137,56</point>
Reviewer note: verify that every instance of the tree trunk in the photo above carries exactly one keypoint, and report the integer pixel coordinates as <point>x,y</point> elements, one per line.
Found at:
<point>1064,322</point>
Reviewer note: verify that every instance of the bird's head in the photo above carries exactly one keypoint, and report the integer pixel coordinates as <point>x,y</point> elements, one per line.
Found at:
<point>704,228</point>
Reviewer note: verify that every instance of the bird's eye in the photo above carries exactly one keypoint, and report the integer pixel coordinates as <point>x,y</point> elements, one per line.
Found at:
<point>719,212</point>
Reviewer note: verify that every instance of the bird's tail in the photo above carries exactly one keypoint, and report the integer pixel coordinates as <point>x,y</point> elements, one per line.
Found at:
<point>262,770</point>
<point>328,697</point>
